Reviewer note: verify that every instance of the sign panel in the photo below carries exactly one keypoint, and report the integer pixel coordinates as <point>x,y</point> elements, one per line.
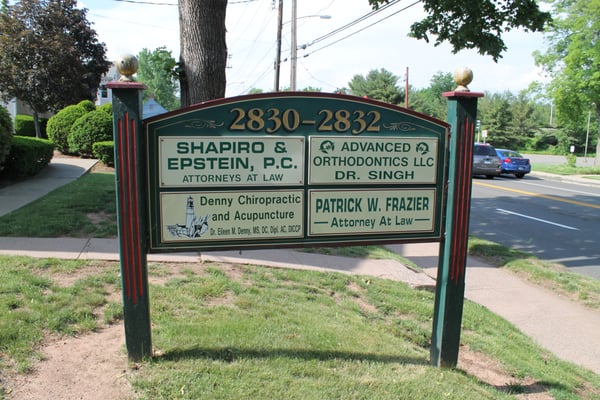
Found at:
<point>190,161</point>
<point>390,160</point>
<point>293,169</point>
<point>351,212</point>
<point>234,216</point>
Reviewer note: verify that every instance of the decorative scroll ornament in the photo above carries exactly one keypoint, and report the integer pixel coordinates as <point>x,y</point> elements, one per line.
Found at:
<point>400,126</point>
<point>203,123</point>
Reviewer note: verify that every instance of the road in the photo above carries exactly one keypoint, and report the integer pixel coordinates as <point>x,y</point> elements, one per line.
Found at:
<point>553,220</point>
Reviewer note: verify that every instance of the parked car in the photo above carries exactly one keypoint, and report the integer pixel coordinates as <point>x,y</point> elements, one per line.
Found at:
<point>513,163</point>
<point>485,161</point>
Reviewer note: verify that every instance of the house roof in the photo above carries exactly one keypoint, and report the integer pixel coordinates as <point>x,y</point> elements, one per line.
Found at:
<point>152,108</point>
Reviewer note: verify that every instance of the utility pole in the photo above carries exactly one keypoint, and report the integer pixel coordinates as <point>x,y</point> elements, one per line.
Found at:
<point>294,56</point>
<point>406,90</point>
<point>278,56</point>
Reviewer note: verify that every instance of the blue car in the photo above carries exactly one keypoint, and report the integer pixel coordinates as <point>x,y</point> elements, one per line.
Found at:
<point>513,163</point>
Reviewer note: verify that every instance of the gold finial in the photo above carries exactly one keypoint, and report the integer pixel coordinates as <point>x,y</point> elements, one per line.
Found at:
<point>463,76</point>
<point>127,65</point>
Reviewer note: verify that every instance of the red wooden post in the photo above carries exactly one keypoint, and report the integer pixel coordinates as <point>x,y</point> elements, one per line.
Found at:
<point>131,212</point>
<point>450,287</point>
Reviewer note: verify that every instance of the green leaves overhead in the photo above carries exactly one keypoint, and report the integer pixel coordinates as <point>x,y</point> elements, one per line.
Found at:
<point>468,24</point>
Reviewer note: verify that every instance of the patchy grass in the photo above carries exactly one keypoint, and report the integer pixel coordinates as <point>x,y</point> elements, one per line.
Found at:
<point>83,208</point>
<point>34,302</point>
<point>238,332</point>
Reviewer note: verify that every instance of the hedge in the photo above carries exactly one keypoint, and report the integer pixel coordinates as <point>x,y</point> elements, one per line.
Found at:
<point>95,126</point>
<point>59,125</point>
<point>105,152</point>
<point>6,134</point>
<point>24,126</point>
<point>28,156</point>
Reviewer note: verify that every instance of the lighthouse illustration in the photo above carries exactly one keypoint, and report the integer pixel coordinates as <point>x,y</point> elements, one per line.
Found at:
<point>194,226</point>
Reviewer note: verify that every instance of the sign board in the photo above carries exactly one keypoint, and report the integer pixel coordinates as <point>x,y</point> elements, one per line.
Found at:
<point>293,170</point>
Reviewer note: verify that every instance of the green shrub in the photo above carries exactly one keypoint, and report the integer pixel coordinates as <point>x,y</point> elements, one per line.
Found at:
<point>24,126</point>
<point>59,126</point>
<point>105,152</point>
<point>6,134</point>
<point>106,108</point>
<point>28,156</point>
<point>95,126</point>
<point>87,104</point>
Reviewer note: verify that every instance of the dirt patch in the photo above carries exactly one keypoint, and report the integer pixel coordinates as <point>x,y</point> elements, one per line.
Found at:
<point>365,306</point>
<point>491,372</point>
<point>66,279</point>
<point>101,167</point>
<point>90,367</point>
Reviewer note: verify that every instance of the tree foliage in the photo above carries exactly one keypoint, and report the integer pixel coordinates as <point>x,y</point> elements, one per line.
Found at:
<point>6,134</point>
<point>49,55</point>
<point>429,100</point>
<point>156,72</point>
<point>468,24</point>
<point>572,59</point>
<point>514,121</point>
<point>379,85</point>
<point>496,116</point>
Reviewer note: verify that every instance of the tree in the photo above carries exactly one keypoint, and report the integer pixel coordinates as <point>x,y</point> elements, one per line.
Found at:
<point>203,50</point>
<point>573,61</point>
<point>466,24</point>
<point>429,100</point>
<point>496,117</point>
<point>49,55</point>
<point>379,85</point>
<point>523,122</point>
<point>156,72</point>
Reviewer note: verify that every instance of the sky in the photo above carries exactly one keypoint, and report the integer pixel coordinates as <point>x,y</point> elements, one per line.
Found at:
<point>329,57</point>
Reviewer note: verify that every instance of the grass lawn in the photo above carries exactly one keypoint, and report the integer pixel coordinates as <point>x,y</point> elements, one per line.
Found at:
<point>238,332</point>
<point>565,169</point>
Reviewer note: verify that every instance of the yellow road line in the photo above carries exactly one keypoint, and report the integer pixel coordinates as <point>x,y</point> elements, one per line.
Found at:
<point>543,196</point>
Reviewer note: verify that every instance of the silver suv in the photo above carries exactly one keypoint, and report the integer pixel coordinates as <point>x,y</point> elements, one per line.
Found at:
<point>486,161</point>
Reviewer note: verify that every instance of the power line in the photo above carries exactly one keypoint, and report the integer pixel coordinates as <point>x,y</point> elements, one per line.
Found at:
<point>352,23</point>
<point>362,29</point>
<point>146,2</point>
<point>175,4</point>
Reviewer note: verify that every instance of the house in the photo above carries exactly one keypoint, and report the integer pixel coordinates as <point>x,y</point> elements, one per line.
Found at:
<point>104,94</point>
<point>152,108</point>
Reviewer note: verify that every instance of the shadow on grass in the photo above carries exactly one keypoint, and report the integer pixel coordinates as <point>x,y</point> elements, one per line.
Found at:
<point>493,253</point>
<point>230,354</point>
<point>531,389</point>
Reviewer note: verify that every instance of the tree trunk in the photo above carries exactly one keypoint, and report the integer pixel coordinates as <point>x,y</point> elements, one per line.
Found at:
<point>36,124</point>
<point>203,56</point>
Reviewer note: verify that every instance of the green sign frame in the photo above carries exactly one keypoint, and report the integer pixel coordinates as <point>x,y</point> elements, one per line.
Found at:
<point>290,170</point>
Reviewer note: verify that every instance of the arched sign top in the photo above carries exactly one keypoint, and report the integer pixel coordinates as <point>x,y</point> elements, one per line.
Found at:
<point>292,169</point>
<point>308,105</point>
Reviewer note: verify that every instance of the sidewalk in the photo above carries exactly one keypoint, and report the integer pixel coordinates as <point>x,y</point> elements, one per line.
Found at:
<point>59,172</point>
<point>567,329</point>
